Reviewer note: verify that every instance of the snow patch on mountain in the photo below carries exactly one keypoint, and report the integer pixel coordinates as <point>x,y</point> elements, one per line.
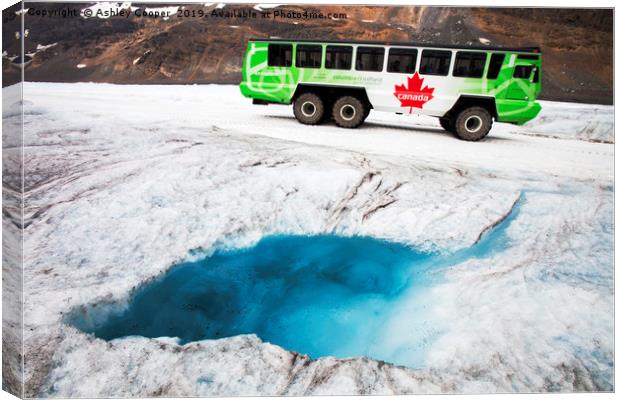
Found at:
<point>43,47</point>
<point>262,7</point>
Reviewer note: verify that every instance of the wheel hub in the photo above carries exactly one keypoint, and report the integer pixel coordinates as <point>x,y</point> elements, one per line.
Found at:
<point>308,109</point>
<point>347,112</point>
<point>473,124</point>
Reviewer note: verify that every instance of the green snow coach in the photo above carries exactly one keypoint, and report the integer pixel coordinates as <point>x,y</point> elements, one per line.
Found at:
<point>465,87</point>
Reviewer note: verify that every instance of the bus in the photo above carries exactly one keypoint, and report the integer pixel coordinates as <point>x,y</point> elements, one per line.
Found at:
<point>465,87</point>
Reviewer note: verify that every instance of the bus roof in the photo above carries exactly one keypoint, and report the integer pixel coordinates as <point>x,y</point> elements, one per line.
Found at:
<point>532,49</point>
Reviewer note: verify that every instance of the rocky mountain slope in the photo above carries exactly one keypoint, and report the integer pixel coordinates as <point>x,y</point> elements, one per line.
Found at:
<point>576,43</point>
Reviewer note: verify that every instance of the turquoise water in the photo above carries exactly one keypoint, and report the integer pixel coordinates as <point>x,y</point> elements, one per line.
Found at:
<point>324,295</point>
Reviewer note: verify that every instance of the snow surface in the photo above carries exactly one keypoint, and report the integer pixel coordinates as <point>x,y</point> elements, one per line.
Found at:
<point>572,121</point>
<point>12,332</point>
<point>124,181</point>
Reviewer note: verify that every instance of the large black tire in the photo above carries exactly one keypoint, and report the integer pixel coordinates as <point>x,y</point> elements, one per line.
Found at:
<point>446,124</point>
<point>309,109</point>
<point>349,112</point>
<point>473,124</point>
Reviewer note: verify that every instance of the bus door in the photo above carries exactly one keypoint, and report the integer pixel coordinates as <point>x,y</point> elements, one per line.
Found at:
<point>522,86</point>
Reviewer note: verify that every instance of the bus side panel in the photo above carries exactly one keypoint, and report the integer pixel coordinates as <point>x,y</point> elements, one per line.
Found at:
<point>516,109</point>
<point>262,82</point>
<point>419,94</point>
<point>382,87</point>
<point>415,93</point>
<point>508,109</point>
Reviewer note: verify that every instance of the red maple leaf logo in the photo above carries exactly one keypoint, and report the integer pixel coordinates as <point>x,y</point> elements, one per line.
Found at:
<point>413,95</point>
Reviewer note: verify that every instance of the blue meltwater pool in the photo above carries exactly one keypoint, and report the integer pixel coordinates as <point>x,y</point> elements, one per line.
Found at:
<point>324,295</point>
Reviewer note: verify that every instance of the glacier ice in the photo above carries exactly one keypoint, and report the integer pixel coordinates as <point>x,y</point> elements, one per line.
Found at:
<point>123,180</point>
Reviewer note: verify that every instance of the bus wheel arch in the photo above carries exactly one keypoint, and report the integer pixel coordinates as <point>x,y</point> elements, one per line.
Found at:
<point>464,102</point>
<point>447,124</point>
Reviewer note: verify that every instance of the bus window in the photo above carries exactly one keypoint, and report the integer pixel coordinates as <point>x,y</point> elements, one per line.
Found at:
<point>522,71</point>
<point>536,76</point>
<point>308,56</point>
<point>497,60</point>
<point>527,57</point>
<point>369,59</point>
<point>338,57</point>
<point>469,64</point>
<point>280,55</point>
<point>435,62</point>
<point>402,60</point>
